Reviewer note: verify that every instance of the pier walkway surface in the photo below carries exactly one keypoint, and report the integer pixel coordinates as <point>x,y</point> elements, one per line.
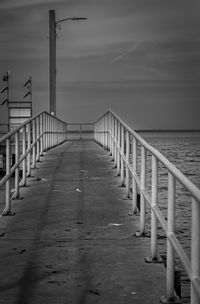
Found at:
<point>72,238</point>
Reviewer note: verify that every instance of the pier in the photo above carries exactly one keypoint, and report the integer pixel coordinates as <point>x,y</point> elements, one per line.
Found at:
<point>72,239</point>
<point>72,230</point>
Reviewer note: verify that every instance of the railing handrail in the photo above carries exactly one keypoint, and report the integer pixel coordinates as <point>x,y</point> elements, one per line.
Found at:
<point>114,134</point>
<point>193,189</point>
<point>31,139</point>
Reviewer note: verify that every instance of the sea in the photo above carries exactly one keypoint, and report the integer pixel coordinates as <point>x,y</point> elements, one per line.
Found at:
<point>183,150</point>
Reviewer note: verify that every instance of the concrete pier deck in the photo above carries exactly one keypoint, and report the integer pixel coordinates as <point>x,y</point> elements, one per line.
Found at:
<point>72,238</point>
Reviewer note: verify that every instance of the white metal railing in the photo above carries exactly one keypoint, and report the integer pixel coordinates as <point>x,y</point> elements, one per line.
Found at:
<point>113,134</point>
<point>28,143</point>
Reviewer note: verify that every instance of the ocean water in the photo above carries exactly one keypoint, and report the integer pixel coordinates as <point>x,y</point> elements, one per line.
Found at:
<point>183,150</point>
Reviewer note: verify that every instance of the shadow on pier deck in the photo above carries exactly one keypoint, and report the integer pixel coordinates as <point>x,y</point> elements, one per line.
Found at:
<point>72,238</point>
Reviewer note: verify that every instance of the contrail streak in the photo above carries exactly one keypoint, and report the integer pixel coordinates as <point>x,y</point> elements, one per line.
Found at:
<point>124,53</point>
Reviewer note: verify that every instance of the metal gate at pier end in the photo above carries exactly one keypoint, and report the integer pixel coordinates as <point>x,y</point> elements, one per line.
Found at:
<point>131,153</point>
<point>80,131</point>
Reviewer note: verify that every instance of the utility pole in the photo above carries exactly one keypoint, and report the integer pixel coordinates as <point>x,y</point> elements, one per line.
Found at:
<point>52,61</point>
<point>52,55</point>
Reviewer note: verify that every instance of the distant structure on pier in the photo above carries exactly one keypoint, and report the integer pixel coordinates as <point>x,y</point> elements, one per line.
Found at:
<point>17,111</point>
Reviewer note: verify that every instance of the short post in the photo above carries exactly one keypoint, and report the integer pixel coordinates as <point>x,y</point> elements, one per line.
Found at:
<point>154,198</point>
<point>118,149</point>
<point>143,186</point>
<point>106,132</point>
<point>113,134</point>
<point>34,147</point>
<point>16,193</point>
<point>127,160</point>
<point>122,152</point>
<point>41,133</point>
<point>115,138</point>
<point>29,154</point>
<point>110,134</point>
<point>7,210</point>
<point>170,229</point>
<point>37,139</point>
<point>23,181</point>
<point>134,185</point>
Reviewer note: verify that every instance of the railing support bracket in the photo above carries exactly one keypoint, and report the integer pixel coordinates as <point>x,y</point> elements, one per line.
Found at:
<point>142,235</point>
<point>8,213</point>
<point>17,197</point>
<point>173,300</point>
<point>156,260</point>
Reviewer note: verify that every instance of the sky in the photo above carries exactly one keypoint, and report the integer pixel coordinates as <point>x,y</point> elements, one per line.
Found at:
<point>140,58</point>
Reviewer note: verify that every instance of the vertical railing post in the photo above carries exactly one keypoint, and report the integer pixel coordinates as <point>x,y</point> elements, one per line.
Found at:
<point>115,141</point>
<point>118,150</point>
<point>53,133</point>
<point>16,193</point>
<point>110,134</point>
<point>143,187</point>
<point>7,209</point>
<point>170,229</point>
<point>34,147</point>
<point>134,185</point>
<point>23,181</point>
<point>28,147</point>
<point>41,133</point>
<point>122,152</point>
<point>106,131</point>
<point>46,130</point>
<point>103,132</point>
<point>50,132</point>
<point>127,160</point>
<point>195,248</point>
<point>37,138</point>
<point>154,199</point>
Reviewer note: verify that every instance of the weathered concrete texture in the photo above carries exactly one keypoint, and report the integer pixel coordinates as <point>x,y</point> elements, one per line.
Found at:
<point>62,246</point>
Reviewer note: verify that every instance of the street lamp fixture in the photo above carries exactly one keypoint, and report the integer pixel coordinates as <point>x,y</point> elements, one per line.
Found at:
<point>71,18</point>
<point>52,55</point>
